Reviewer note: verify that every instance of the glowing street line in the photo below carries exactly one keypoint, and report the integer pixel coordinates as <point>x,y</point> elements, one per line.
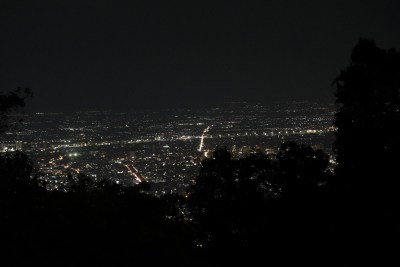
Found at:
<point>202,138</point>
<point>132,170</point>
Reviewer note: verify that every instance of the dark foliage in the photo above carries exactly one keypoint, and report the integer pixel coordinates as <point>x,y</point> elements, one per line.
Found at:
<point>110,225</point>
<point>258,203</point>
<point>368,142</point>
<point>10,105</point>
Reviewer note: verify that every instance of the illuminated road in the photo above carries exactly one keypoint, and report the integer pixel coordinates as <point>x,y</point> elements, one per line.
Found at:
<point>135,173</point>
<point>202,138</point>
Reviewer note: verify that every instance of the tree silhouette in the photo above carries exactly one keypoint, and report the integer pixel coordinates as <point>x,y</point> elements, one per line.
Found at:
<point>11,103</point>
<point>21,189</point>
<point>367,147</point>
<point>301,169</point>
<point>368,141</point>
<point>247,205</point>
<point>17,182</point>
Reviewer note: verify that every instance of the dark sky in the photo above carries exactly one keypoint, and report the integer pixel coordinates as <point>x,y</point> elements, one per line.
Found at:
<point>107,54</point>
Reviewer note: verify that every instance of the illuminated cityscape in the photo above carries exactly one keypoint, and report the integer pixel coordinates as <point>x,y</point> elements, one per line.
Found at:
<point>199,133</point>
<point>164,148</point>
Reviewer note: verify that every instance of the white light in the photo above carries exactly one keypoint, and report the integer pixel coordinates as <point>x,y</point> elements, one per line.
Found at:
<point>202,138</point>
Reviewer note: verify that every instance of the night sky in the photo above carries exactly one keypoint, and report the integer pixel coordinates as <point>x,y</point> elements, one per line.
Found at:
<point>87,55</point>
